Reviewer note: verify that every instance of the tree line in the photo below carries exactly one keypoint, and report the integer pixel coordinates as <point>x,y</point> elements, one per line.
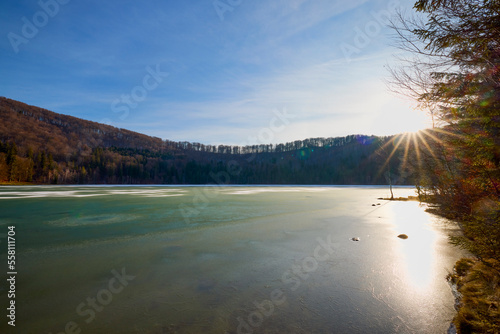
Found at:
<point>266,148</point>
<point>344,160</point>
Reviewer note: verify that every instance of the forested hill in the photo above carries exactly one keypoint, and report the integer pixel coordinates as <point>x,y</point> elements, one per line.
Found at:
<point>40,146</point>
<point>35,127</point>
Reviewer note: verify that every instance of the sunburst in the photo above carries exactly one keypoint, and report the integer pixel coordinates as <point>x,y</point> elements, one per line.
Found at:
<point>417,147</point>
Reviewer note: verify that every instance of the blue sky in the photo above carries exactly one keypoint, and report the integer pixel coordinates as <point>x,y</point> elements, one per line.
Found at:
<point>208,71</point>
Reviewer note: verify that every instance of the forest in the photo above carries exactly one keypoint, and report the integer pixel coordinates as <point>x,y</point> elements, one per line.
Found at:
<point>42,147</point>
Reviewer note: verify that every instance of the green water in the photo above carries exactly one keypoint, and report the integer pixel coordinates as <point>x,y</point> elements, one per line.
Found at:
<point>224,260</point>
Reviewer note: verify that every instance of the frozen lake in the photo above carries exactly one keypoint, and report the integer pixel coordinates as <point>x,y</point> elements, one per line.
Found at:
<point>225,260</point>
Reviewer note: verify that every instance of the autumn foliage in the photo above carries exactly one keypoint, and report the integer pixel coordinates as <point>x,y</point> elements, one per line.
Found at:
<point>37,145</point>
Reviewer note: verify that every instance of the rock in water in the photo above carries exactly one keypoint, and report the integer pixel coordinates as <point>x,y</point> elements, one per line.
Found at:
<point>403,236</point>
<point>355,239</point>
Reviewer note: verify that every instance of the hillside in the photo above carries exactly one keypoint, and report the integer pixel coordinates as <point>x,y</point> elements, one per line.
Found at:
<point>37,145</point>
<point>37,128</point>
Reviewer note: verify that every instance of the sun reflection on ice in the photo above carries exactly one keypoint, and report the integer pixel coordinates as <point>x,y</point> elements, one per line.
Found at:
<point>418,251</point>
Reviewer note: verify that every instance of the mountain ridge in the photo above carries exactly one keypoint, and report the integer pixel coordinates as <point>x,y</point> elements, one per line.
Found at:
<point>38,145</point>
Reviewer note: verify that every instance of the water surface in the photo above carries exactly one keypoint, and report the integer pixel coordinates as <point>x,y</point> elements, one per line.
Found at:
<point>226,260</point>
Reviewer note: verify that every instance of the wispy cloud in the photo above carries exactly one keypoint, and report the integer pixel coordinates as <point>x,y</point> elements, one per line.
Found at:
<point>225,77</point>
<point>323,105</point>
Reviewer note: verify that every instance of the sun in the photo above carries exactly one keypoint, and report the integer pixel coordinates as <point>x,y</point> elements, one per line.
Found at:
<point>415,149</point>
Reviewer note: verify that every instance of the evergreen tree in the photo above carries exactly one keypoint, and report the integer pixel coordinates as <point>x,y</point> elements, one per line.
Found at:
<point>11,154</point>
<point>12,162</point>
<point>31,164</point>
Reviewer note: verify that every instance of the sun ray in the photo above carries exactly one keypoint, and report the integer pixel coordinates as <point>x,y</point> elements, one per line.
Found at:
<point>400,137</point>
<point>378,151</point>
<point>448,133</point>
<point>407,149</point>
<point>426,144</point>
<point>433,137</point>
<point>417,152</point>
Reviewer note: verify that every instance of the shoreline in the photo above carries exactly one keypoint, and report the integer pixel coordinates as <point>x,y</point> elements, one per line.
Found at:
<point>3,183</point>
<point>476,288</point>
<point>400,199</point>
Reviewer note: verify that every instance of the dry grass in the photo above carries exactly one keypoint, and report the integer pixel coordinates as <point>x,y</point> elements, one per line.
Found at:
<point>479,285</point>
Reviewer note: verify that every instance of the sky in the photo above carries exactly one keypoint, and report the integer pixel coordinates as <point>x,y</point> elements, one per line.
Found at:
<point>233,72</point>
